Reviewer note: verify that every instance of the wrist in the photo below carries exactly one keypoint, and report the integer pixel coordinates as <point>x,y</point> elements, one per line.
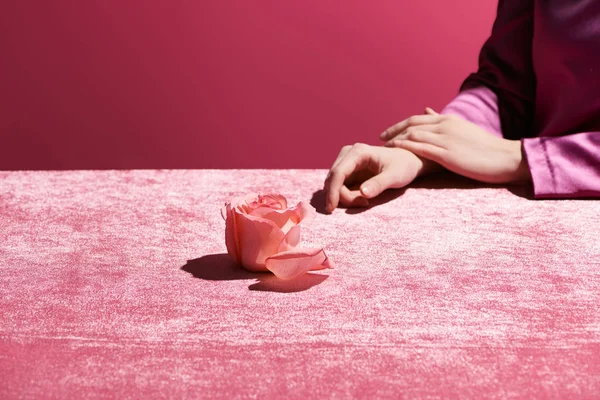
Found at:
<point>521,174</point>
<point>428,167</point>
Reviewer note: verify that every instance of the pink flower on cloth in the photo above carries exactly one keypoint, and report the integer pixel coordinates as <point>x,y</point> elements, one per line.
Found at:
<point>262,233</point>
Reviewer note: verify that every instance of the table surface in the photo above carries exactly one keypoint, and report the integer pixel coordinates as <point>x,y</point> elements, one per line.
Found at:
<point>116,284</point>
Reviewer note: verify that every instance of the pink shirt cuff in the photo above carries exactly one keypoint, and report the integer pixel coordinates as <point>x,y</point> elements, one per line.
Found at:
<point>478,105</point>
<point>564,166</point>
<point>539,166</point>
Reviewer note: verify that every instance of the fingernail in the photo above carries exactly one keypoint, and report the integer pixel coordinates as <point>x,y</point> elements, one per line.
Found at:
<point>382,136</point>
<point>365,190</point>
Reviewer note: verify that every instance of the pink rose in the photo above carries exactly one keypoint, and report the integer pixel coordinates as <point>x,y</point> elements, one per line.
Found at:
<point>262,233</point>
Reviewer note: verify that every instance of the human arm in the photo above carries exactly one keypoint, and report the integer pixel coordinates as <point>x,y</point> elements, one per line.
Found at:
<point>492,111</point>
<point>465,148</point>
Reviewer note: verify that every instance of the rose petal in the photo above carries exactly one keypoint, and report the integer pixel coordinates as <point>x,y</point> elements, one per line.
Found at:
<point>231,239</point>
<point>240,203</point>
<point>285,219</point>
<point>296,262</point>
<point>291,239</point>
<point>273,200</point>
<point>305,211</point>
<point>240,200</point>
<point>262,211</point>
<point>258,239</point>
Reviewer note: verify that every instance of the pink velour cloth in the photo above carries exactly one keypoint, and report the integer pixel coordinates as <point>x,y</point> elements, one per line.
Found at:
<point>116,284</point>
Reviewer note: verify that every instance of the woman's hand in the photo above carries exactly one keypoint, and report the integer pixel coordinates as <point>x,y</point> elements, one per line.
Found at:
<point>461,147</point>
<point>362,172</point>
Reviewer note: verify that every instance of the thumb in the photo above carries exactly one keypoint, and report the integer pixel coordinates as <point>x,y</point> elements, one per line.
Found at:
<point>430,111</point>
<point>376,185</point>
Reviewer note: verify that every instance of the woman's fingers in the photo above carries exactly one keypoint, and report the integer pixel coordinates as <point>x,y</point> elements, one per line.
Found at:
<point>419,132</point>
<point>327,183</point>
<point>352,198</point>
<point>353,160</point>
<point>430,111</point>
<point>415,120</point>
<point>423,149</point>
<point>378,184</point>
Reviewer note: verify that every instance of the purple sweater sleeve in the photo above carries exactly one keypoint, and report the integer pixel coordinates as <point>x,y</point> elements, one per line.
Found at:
<point>506,68</point>
<point>499,97</point>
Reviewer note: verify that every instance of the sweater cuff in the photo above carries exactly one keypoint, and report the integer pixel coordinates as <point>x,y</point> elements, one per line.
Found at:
<point>542,174</point>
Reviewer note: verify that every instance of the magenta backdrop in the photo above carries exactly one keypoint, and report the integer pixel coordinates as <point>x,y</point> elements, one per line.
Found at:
<point>222,83</point>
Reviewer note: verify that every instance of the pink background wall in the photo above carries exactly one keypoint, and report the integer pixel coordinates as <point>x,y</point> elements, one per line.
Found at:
<point>222,83</point>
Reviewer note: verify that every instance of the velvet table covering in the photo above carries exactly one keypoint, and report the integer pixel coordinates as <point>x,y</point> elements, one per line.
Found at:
<point>117,284</point>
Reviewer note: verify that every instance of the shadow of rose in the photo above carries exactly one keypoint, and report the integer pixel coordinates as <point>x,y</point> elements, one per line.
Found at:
<point>221,267</point>
<point>271,283</point>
